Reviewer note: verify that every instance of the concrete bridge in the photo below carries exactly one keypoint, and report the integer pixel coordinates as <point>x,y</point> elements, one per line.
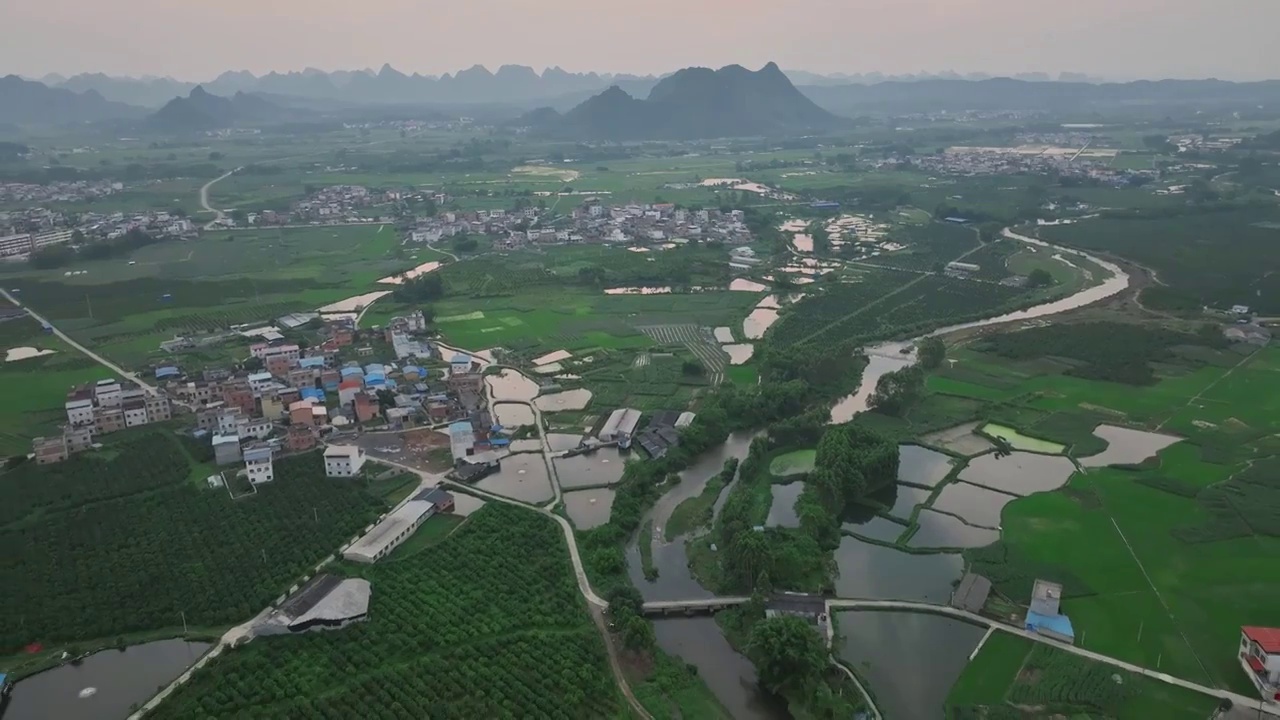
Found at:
<point>707,606</point>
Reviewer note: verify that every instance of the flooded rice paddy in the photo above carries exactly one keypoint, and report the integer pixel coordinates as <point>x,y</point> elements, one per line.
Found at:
<point>1019,473</point>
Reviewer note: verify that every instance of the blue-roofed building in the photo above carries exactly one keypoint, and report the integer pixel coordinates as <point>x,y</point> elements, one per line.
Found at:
<point>500,442</point>
<point>311,362</point>
<point>167,371</point>
<point>1044,617</point>
<point>824,205</point>
<point>312,393</point>
<point>413,373</point>
<point>375,369</point>
<point>957,220</point>
<point>352,372</point>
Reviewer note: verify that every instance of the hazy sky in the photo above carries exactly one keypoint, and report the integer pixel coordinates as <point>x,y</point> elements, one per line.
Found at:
<point>197,40</point>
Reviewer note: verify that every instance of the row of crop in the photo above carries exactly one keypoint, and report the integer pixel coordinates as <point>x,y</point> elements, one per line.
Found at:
<point>143,562</point>
<point>488,624</point>
<point>836,301</point>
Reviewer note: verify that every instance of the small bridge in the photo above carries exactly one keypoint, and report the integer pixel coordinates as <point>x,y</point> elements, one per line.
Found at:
<point>707,606</point>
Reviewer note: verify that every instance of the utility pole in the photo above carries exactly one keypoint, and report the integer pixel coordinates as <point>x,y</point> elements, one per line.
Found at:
<point>88,305</point>
<point>316,514</point>
<point>184,622</point>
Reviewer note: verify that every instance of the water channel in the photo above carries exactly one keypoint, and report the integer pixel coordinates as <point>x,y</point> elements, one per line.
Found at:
<point>105,685</point>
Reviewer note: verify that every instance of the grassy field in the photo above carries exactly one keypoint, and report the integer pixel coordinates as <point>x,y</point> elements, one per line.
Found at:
<point>796,462</point>
<point>1158,569</point>
<point>1012,672</point>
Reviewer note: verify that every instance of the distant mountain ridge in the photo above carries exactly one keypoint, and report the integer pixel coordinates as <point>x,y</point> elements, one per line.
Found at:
<point>512,84</point>
<point>693,103</point>
<point>202,110</point>
<point>24,102</point>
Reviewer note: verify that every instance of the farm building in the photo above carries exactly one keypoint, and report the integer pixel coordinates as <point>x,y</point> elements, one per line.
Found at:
<point>226,449</point>
<point>460,364</point>
<point>1260,658</point>
<point>462,440</point>
<point>398,525</point>
<point>1044,617</point>
<point>325,602</point>
<point>621,425</point>
<point>257,464</point>
<point>343,460</point>
<point>961,269</point>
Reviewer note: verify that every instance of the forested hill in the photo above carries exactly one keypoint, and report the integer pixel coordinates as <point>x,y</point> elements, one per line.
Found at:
<point>694,103</point>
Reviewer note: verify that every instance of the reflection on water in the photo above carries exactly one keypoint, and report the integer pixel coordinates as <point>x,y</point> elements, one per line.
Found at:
<point>911,660</point>
<point>511,385</point>
<point>922,466</point>
<point>874,527</point>
<point>878,366</point>
<point>121,680</point>
<point>973,504</point>
<point>564,400</point>
<point>941,530</point>
<point>782,510</point>
<point>875,572</point>
<point>1019,473</point>
<point>901,499</point>
<point>512,415</point>
<point>730,676</point>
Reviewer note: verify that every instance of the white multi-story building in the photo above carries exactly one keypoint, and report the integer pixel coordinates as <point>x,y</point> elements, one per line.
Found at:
<point>257,463</point>
<point>107,393</point>
<point>343,460</point>
<point>135,413</point>
<point>12,245</point>
<point>258,428</point>
<point>80,412</point>
<point>261,382</point>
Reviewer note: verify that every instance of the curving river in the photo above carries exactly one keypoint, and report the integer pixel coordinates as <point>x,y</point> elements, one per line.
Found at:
<point>894,355</point>
<point>867,570</point>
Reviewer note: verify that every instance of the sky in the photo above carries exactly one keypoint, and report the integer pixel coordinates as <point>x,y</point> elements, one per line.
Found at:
<point>1118,39</point>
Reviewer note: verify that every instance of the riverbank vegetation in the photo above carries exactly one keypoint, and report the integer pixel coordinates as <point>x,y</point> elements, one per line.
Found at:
<point>488,623</point>
<point>696,512</point>
<point>152,547</point>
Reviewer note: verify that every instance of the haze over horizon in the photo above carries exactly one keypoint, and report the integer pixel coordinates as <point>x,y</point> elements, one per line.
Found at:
<point>1134,39</point>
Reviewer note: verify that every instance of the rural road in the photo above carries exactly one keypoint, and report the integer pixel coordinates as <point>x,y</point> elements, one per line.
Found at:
<point>204,198</point>
<point>150,389</point>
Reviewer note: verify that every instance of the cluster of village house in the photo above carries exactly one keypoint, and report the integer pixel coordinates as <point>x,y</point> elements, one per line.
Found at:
<point>336,204</point>
<point>296,398</point>
<point>590,222</point>
<point>24,232</point>
<point>57,191</point>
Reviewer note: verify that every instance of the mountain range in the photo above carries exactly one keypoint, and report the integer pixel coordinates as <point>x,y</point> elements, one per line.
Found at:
<point>201,110</point>
<point>24,102</point>
<point>692,103</point>
<point>511,84</point>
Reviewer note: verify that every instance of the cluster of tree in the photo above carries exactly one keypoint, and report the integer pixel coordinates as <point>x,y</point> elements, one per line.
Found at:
<point>896,392</point>
<point>462,242</point>
<point>1116,352</point>
<point>930,352</point>
<point>422,289</point>
<point>119,247</point>
<point>627,618</point>
<point>524,647</point>
<point>852,462</point>
<point>225,561</point>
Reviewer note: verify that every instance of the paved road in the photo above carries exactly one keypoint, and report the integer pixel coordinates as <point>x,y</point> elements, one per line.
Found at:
<point>204,198</point>
<point>150,389</point>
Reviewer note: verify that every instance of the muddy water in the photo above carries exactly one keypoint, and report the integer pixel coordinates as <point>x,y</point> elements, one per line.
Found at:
<point>1115,283</point>
<point>522,477</point>
<point>939,530</point>
<point>513,414</point>
<point>589,508</point>
<point>511,385</point>
<point>565,400</point>
<point>745,285</point>
<point>755,325</point>
<point>602,467</point>
<point>911,660</point>
<point>739,353</point>
<point>1127,446</point>
<point>563,441</point>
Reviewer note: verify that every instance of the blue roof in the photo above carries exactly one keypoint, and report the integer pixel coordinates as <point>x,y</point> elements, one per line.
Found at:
<point>260,376</point>
<point>311,362</point>
<point>166,371</point>
<point>1060,624</point>
<point>499,442</point>
<point>460,426</point>
<point>460,358</point>
<point>957,220</point>
<point>413,368</point>
<point>375,368</point>
<point>312,392</point>
<point>349,371</point>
